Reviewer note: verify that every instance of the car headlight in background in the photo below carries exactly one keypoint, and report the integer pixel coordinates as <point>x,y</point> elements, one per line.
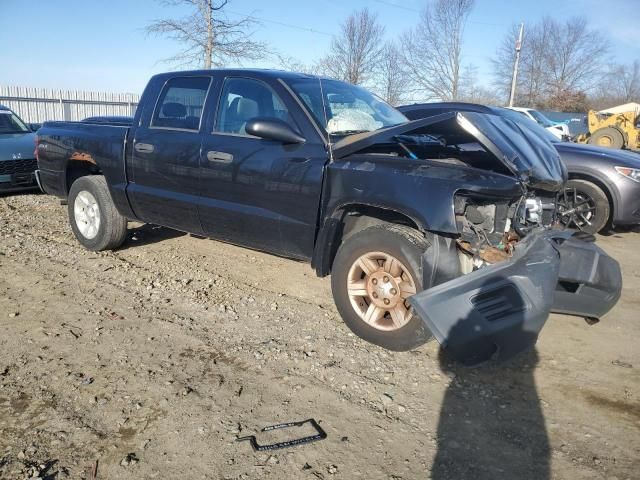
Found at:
<point>632,173</point>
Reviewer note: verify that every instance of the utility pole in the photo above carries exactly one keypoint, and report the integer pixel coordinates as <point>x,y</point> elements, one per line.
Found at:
<point>515,66</point>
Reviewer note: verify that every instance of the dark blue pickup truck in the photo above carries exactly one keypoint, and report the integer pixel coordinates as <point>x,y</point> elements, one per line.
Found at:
<point>441,226</point>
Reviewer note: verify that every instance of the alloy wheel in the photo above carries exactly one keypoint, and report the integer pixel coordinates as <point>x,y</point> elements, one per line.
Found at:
<point>378,285</point>
<point>86,213</point>
<point>577,209</point>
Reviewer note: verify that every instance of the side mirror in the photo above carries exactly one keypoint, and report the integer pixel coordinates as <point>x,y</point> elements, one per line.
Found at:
<point>35,126</point>
<point>273,129</point>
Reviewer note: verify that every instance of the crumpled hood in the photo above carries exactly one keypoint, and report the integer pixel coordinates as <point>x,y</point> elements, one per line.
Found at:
<point>17,145</point>
<point>622,158</point>
<point>531,158</point>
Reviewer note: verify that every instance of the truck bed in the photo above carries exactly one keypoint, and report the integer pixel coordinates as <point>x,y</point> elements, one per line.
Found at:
<point>81,146</point>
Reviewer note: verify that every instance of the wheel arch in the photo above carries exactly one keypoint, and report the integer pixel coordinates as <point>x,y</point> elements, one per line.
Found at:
<point>79,165</point>
<point>348,219</point>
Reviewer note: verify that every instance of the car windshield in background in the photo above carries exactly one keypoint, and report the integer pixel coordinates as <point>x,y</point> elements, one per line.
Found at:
<point>541,119</point>
<point>344,109</point>
<point>10,123</point>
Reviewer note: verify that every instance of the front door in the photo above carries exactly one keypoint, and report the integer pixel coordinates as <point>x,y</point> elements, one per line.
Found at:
<point>165,157</point>
<point>255,192</point>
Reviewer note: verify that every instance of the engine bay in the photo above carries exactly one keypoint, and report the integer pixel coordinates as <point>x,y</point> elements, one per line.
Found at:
<point>491,229</point>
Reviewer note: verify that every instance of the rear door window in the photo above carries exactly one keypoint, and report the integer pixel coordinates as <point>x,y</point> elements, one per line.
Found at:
<point>181,103</point>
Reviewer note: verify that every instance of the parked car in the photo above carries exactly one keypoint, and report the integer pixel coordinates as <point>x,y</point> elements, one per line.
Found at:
<point>437,226</point>
<point>17,158</point>
<point>603,190</point>
<point>558,129</point>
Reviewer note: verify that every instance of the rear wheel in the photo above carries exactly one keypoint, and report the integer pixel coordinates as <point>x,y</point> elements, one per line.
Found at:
<point>94,219</point>
<point>607,137</point>
<point>584,206</point>
<point>374,273</point>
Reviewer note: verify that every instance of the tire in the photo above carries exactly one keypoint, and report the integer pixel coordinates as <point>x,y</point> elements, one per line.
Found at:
<point>93,217</point>
<point>593,208</point>
<point>405,245</point>
<point>607,137</point>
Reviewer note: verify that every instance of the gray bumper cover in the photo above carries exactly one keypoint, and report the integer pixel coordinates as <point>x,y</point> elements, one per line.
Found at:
<point>499,310</point>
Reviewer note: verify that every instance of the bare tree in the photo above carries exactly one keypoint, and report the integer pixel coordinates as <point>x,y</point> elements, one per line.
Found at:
<point>433,49</point>
<point>292,64</point>
<point>474,92</point>
<point>531,75</point>
<point>575,55</point>
<point>392,82</point>
<point>355,53</point>
<point>623,82</point>
<point>620,84</point>
<point>558,60</point>
<point>210,38</point>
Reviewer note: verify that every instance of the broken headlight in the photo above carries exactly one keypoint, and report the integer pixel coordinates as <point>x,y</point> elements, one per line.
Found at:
<point>533,210</point>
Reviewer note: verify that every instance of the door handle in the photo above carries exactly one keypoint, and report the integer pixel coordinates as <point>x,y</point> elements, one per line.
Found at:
<point>219,157</point>
<point>144,148</point>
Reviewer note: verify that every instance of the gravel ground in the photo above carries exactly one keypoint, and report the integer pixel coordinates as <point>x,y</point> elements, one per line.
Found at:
<point>150,361</point>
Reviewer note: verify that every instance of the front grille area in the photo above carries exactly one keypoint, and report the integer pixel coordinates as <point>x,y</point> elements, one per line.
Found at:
<point>9,167</point>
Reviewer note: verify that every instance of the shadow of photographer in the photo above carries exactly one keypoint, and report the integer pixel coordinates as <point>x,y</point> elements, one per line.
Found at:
<point>491,424</point>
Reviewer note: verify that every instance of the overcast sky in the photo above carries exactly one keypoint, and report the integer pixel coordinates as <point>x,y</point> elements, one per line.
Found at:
<point>101,44</point>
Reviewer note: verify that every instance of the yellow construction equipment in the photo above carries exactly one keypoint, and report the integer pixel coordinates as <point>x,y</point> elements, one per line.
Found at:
<point>617,127</point>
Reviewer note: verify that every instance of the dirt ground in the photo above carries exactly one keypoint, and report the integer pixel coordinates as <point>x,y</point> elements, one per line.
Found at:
<point>152,360</point>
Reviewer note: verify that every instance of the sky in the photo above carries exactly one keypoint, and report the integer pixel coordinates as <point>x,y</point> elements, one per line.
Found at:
<point>101,44</point>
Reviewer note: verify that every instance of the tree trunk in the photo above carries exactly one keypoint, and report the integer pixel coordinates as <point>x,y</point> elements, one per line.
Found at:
<point>208,51</point>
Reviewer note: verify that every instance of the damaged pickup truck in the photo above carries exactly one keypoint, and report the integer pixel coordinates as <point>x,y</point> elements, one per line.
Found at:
<point>443,227</point>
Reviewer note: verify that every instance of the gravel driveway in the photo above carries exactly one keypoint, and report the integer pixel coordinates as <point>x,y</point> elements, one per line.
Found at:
<point>153,359</point>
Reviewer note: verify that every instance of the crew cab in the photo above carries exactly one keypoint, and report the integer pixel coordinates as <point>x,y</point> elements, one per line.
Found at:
<point>436,227</point>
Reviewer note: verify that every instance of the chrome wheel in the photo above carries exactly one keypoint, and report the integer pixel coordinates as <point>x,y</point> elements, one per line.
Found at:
<point>86,213</point>
<point>378,285</point>
<point>577,209</point>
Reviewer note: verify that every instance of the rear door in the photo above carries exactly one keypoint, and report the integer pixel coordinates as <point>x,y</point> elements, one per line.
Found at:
<point>255,192</point>
<point>164,167</point>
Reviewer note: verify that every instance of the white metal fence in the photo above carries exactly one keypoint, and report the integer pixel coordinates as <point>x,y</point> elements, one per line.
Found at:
<point>37,105</point>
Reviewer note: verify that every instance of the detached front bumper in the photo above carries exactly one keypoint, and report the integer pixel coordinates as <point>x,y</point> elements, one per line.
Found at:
<point>499,310</point>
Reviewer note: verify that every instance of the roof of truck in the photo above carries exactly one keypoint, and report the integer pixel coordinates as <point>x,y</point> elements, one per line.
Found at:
<point>254,72</point>
<point>467,106</point>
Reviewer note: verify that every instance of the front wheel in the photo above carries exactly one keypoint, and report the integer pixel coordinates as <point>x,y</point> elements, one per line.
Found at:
<point>584,206</point>
<point>374,273</point>
<point>94,219</point>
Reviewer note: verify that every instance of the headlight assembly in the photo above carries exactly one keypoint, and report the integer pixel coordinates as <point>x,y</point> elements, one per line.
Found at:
<point>632,173</point>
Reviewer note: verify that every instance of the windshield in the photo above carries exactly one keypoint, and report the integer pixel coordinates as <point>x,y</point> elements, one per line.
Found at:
<point>541,119</point>
<point>522,119</point>
<point>11,123</point>
<point>344,109</point>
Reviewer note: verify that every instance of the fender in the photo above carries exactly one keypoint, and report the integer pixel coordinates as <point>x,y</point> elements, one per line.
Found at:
<point>330,234</point>
<point>422,190</point>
